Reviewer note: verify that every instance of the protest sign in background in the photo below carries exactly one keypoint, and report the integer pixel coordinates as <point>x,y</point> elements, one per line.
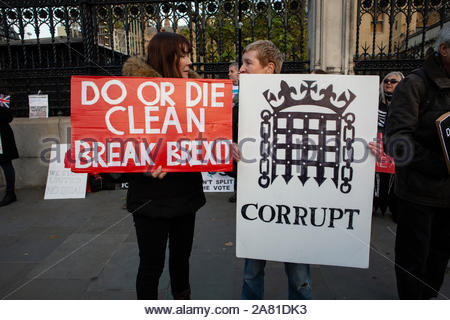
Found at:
<point>443,127</point>
<point>217,182</point>
<point>61,182</point>
<point>131,124</point>
<point>38,106</point>
<point>384,162</point>
<point>306,174</point>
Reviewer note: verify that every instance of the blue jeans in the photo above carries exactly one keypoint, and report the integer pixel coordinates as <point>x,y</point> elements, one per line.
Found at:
<point>299,280</point>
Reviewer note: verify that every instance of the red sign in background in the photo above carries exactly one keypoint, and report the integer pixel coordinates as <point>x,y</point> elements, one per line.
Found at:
<point>131,124</point>
<point>384,163</point>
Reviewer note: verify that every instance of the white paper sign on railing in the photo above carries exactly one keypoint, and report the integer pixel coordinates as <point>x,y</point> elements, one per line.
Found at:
<point>306,175</point>
<point>38,106</point>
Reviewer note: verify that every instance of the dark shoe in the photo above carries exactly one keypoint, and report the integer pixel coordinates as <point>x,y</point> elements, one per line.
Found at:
<point>232,198</point>
<point>183,295</point>
<point>9,197</point>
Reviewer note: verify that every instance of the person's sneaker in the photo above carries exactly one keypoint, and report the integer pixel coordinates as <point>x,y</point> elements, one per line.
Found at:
<point>9,197</point>
<point>232,198</point>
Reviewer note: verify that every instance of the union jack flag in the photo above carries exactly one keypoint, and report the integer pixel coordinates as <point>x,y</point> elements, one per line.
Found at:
<point>4,100</point>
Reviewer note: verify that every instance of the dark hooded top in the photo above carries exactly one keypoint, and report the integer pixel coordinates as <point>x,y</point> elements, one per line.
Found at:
<point>176,194</point>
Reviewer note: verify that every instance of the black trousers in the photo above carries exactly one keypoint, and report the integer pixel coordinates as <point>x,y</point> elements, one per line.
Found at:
<point>422,249</point>
<point>152,235</point>
<point>382,197</point>
<point>10,174</point>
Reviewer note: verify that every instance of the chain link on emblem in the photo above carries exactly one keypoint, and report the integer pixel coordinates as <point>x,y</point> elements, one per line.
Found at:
<point>348,153</point>
<point>264,149</point>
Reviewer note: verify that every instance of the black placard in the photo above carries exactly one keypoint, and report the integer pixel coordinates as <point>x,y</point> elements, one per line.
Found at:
<point>443,126</point>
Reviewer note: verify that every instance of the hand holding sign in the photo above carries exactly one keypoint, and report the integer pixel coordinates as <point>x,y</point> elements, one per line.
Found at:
<point>385,163</point>
<point>375,148</point>
<point>158,173</point>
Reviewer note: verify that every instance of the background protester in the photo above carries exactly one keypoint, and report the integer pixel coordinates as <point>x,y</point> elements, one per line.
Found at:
<point>383,193</point>
<point>164,206</point>
<point>233,74</point>
<point>8,150</point>
<point>422,182</point>
<point>263,57</point>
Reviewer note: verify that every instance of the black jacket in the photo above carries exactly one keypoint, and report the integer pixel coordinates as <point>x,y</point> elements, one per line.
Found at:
<point>411,136</point>
<point>177,193</point>
<point>7,136</point>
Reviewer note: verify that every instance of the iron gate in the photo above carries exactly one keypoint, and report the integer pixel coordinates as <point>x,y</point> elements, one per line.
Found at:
<point>44,42</point>
<point>396,35</point>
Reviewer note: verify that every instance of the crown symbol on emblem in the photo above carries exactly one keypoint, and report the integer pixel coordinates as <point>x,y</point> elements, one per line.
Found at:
<point>285,99</point>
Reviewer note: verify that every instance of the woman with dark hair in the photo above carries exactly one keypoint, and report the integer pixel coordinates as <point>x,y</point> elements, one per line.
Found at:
<point>164,206</point>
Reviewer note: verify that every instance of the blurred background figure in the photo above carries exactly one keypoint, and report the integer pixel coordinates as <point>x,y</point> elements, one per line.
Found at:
<point>8,150</point>
<point>233,74</point>
<point>383,194</point>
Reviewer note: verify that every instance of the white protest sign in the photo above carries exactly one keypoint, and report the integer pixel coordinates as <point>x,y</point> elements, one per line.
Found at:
<point>38,104</point>
<point>61,182</point>
<point>217,182</point>
<point>306,175</point>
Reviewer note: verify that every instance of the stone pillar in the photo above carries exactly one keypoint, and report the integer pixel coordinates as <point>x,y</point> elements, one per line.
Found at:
<point>331,28</point>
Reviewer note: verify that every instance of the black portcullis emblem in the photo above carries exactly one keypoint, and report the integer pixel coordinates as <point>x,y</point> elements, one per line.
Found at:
<point>286,137</point>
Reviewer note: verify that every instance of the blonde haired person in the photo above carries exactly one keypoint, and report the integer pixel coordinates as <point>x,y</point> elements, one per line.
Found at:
<point>263,57</point>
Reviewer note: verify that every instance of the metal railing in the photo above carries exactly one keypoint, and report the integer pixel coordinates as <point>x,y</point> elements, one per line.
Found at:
<point>44,42</point>
<point>396,34</point>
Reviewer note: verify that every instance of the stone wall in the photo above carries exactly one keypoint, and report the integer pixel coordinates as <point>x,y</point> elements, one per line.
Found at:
<point>34,138</point>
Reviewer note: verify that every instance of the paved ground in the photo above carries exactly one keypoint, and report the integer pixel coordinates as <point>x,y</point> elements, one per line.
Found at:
<point>86,249</point>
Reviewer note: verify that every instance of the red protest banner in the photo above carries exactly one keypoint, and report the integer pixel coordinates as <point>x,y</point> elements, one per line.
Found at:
<point>384,162</point>
<point>131,124</point>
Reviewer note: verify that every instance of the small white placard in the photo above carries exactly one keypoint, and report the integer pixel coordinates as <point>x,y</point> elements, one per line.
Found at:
<point>61,182</point>
<point>217,182</point>
<point>38,106</point>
